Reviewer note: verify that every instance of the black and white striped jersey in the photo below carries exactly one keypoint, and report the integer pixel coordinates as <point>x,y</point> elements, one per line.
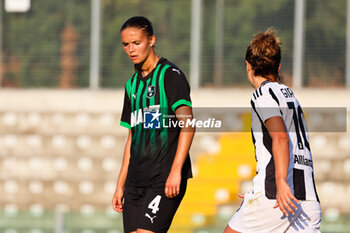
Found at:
<point>274,99</point>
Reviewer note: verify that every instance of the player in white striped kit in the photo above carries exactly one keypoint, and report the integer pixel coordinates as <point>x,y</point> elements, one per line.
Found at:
<point>284,163</point>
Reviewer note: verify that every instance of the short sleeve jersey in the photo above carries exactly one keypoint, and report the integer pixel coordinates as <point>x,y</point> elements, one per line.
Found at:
<point>153,150</point>
<point>269,100</point>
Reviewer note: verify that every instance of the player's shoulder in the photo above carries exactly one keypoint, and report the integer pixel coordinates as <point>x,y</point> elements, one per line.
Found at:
<point>273,88</point>
<point>279,92</point>
<point>171,68</point>
<point>267,86</point>
<point>165,62</point>
<point>130,80</point>
<point>267,92</point>
<point>261,91</point>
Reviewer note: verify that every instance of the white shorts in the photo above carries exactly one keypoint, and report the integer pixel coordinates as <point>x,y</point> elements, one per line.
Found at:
<point>257,215</point>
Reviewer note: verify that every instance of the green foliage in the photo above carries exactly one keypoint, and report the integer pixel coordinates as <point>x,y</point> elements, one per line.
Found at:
<point>32,40</point>
<point>244,18</point>
<point>325,43</point>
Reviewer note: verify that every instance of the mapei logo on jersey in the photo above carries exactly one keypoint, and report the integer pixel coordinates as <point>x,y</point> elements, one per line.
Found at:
<point>138,116</point>
<point>151,119</point>
<point>151,91</point>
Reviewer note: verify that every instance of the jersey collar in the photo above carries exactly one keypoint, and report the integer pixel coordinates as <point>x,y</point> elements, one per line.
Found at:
<point>139,75</point>
<point>265,82</point>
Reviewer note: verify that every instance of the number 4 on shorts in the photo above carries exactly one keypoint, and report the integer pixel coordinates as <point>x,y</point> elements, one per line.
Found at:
<point>154,204</point>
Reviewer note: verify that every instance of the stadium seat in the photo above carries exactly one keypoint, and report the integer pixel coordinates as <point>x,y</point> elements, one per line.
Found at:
<point>67,161</point>
<point>217,181</point>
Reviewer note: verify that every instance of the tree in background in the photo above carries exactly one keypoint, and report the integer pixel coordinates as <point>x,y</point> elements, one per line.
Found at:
<point>242,19</point>
<point>69,63</point>
<point>32,42</point>
<point>325,41</point>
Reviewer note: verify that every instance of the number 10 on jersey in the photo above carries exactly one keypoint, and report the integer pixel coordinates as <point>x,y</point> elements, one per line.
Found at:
<point>298,117</point>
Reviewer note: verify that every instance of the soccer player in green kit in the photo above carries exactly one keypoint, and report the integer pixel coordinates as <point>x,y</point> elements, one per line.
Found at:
<point>156,163</point>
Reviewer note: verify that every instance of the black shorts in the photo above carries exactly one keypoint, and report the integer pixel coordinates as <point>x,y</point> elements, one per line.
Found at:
<point>149,208</point>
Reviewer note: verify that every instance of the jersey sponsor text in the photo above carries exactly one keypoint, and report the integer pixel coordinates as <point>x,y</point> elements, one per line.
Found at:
<point>300,159</point>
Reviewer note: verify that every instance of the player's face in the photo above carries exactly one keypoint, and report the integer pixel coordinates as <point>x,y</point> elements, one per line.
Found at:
<point>137,45</point>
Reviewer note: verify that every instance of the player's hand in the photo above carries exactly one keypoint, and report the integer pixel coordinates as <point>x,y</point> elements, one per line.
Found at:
<point>172,185</point>
<point>117,203</point>
<point>284,198</point>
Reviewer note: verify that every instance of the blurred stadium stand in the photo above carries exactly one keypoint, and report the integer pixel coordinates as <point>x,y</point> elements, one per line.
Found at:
<point>62,154</point>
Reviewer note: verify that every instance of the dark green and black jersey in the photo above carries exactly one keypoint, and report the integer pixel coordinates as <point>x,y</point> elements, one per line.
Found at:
<point>153,149</point>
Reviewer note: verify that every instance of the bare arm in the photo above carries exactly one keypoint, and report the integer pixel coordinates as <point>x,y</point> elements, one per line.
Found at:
<point>280,151</point>
<point>172,185</point>
<point>119,192</point>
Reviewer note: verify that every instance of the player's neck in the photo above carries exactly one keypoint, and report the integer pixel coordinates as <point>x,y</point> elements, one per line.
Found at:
<point>257,81</point>
<point>149,64</point>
